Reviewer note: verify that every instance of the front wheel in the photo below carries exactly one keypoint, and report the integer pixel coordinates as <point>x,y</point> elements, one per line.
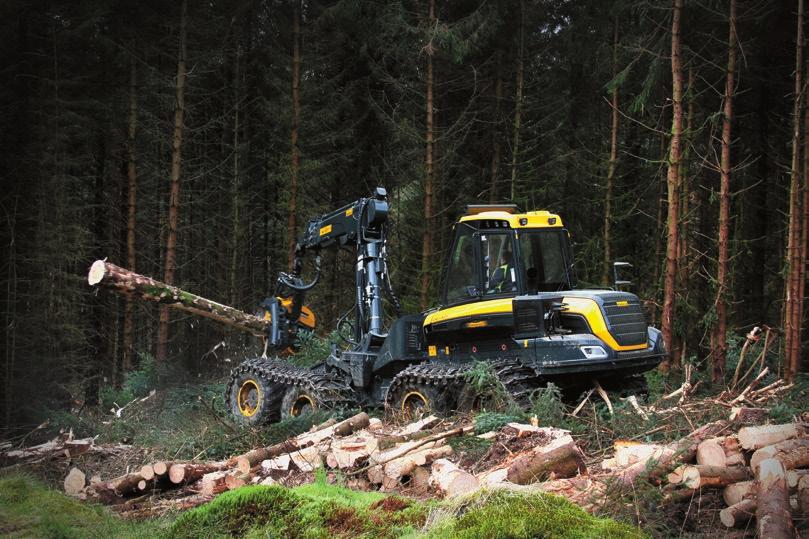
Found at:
<point>253,400</point>
<point>412,401</point>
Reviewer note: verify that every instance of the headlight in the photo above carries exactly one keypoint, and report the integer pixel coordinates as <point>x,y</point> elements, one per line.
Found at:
<point>594,352</point>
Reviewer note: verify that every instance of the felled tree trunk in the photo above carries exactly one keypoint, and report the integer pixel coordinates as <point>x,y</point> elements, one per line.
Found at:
<point>184,473</point>
<point>562,461</point>
<point>733,494</point>
<point>739,514</point>
<point>792,454</point>
<point>451,480</point>
<point>134,285</point>
<point>714,476</point>
<point>772,510</point>
<point>343,428</point>
<point>752,438</point>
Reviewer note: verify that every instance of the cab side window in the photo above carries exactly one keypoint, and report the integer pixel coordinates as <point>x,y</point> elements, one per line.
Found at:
<point>498,261</point>
<point>462,275</point>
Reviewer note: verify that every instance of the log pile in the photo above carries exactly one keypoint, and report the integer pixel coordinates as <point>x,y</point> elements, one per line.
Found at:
<point>416,458</point>
<point>759,469</point>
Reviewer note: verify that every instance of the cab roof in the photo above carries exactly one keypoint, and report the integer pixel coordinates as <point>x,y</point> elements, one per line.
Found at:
<point>531,219</point>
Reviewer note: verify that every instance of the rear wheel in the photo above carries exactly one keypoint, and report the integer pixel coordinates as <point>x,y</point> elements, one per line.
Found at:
<point>298,402</point>
<point>253,400</point>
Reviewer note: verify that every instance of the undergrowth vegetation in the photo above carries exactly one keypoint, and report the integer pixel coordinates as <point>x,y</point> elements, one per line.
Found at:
<point>29,509</point>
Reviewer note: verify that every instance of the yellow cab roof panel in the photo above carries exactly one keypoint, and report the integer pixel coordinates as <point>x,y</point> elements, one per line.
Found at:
<point>531,219</point>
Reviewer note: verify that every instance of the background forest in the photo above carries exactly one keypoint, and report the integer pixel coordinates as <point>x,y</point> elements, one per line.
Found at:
<point>190,141</point>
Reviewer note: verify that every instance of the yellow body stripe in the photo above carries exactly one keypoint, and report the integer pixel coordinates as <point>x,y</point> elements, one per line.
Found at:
<point>584,306</point>
<point>325,230</point>
<point>494,306</point>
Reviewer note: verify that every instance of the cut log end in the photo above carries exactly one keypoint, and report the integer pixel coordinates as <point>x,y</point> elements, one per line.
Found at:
<point>74,482</point>
<point>97,272</point>
<point>739,514</point>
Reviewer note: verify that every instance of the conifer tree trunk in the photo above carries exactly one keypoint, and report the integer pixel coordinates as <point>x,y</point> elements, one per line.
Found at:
<point>496,147</point>
<point>804,249</point>
<point>429,169</point>
<point>174,192</point>
<point>719,351</point>
<point>612,162</point>
<point>683,253</point>
<point>670,279</point>
<point>515,149</point>
<point>234,233</point>
<point>131,220</point>
<point>296,116</point>
<point>792,302</point>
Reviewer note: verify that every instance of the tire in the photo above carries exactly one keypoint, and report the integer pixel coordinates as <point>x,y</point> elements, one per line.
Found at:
<point>253,400</point>
<point>298,402</point>
<point>412,401</point>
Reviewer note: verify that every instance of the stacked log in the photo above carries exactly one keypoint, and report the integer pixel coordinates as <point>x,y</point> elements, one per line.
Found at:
<point>757,469</point>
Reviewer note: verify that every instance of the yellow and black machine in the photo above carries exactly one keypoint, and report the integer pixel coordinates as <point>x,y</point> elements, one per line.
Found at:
<point>508,297</point>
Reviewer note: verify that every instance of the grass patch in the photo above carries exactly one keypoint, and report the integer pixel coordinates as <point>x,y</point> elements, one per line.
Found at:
<point>309,511</point>
<point>29,509</point>
<point>505,515</point>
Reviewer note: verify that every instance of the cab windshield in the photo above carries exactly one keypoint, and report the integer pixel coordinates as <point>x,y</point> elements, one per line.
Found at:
<point>545,261</point>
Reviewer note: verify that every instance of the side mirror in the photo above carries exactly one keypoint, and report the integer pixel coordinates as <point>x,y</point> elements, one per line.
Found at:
<point>617,269</point>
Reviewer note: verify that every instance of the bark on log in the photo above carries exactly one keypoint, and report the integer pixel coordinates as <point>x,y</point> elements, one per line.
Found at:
<point>395,470</point>
<point>803,495</point>
<point>343,428</point>
<point>407,447</point>
<point>739,514</point>
<point>792,454</point>
<point>743,414</point>
<point>188,472</point>
<point>794,477</point>
<point>215,482</point>
<point>701,476</point>
<point>752,438</point>
<point>75,482</point>
<point>450,480</point>
<point>423,424</point>
<point>733,494</point>
<point>136,286</point>
<point>561,461</point>
<point>683,450</point>
<point>772,511</point>
<point>126,484</point>
<point>386,442</point>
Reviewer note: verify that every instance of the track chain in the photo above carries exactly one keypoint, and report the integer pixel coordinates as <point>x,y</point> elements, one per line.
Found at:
<point>519,381</point>
<point>331,391</point>
<point>432,374</point>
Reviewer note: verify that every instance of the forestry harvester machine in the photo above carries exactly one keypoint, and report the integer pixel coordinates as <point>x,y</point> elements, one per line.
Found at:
<point>508,298</point>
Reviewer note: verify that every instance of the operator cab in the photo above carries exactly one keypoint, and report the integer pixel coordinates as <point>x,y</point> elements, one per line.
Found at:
<point>500,253</point>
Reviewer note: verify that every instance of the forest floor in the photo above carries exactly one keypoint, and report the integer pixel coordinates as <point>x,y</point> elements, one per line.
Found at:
<point>189,422</point>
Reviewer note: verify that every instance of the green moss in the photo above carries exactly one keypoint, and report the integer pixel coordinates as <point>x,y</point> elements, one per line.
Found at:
<point>310,511</point>
<point>29,509</point>
<point>509,515</point>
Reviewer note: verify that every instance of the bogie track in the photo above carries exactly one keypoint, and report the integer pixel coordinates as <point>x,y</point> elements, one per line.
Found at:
<point>446,385</point>
<point>275,378</point>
